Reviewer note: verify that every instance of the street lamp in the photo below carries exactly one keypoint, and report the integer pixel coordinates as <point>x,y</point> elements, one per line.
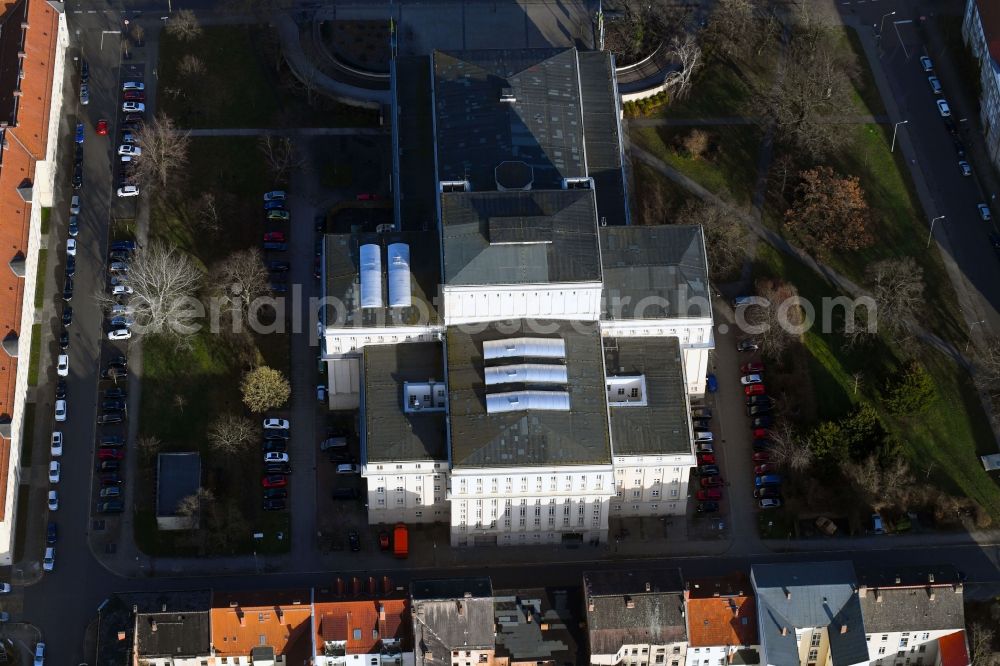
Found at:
<point>969,343</point>
<point>895,129</point>
<point>882,24</point>
<point>931,234</point>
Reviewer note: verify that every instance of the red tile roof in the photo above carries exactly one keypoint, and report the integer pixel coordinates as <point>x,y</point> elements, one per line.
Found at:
<point>25,101</point>
<point>362,624</point>
<point>953,650</point>
<point>716,621</point>
<point>241,621</point>
<point>989,15</point>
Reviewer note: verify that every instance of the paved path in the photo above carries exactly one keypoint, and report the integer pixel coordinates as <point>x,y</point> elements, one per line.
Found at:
<point>294,131</point>
<point>748,120</point>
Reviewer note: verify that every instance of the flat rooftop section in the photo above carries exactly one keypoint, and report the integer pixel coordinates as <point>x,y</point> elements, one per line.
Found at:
<point>450,588</point>
<point>11,42</point>
<point>539,625</point>
<point>603,135</point>
<point>656,272</point>
<point>415,122</point>
<point>662,425</point>
<point>520,237</point>
<point>343,280</point>
<point>616,583</point>
<point>178,476</point>
<point>391,434</point>
<point>523,438</point>
<point>541,124</point>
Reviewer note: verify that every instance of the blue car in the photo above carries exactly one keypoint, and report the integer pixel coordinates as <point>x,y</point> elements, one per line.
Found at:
<point>79,132</point>
<point>274,205</point>
<point>711,383</point>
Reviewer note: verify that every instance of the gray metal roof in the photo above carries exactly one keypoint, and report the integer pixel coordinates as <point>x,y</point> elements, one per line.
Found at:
<point>621,611</point>
<point>520,615</point>
<point>655,272</point>
<point>178,476</point>
<point>527,437</point>
<point>391,434</point>
<point>807,595</point>
<point>450,615</point>
<point>519,237</point>
<point>911,598</point>
<point>343,285</point>
<point>603,135</point>
<point>541,127</point>
<point>414,160</point>
<point>663,424</point>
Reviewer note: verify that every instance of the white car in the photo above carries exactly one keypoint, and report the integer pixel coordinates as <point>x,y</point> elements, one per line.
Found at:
<point>119,334</point>
<point>984,212</point>
<point>5,588</point>
<point>348,469</point>
<point>54,468</point>
<point>48,564</point>
<point>274,456</point>
<point>276,424</point>
<point>133,107</point>
<point>746,380</point>
<point>62,365</point>
<point>121,290</point>
<point>129,149</point>
<point>53,500</point>
<point>926,63</point>
<point>71,247</point>
<point>118,309</point>
<point>128,191</point>
<point>57,443</point>
<point>133,85</point>
<point>943,108</point>
<point>74,205</point>
<point>60,410</point>
<point>769,503</point>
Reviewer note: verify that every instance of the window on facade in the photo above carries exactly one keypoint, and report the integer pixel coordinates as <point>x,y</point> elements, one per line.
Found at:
<point>381,502</point>
<point>815,640</point>
<point>813,655</point>
<point>521,522</point>
<point>903,642</point>
<point>659,659</point>
<point>655,493</point>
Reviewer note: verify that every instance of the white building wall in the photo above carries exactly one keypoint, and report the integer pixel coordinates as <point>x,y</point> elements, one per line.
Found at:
<point>42,188</point>
<point>695,337</point>
<point>645,654</point>
<point>527,506</point>
<point>653,485</point>
<point>917,648</point>
<point>989,103</point>
<point>339,341</point>
<point>411,492</point>
<point>372,659</point>
<point>577,301</point>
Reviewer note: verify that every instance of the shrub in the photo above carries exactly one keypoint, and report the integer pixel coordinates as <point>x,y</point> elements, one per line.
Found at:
<point>912,392</point>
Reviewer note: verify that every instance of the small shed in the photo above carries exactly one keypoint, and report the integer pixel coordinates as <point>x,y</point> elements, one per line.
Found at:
<point>178,475</point>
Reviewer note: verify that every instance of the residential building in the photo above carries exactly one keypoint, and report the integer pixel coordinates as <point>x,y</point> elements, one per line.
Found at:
<point>453,622</point>
<point>33,42</point>
<point>154,628</point>
<point>172,637</point>
<point>809,613</point>
<point>537,627</point>
<point>475,333</point>
<point>981,31</point>
<point>914,616</point>
<point>178,477</point>
<point>363,632</point>
<point>721,621</point>
<point>636,618</point>
<point>273,628</point>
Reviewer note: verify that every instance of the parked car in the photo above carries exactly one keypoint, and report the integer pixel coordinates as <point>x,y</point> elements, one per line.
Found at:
<point>706,459</point>
<point>768,503</point>
<point>747,345</point>
<point>878,527</point>
<point>703,436</point>
<point>275,493</point>
<point>766,468</point>
<point>54,470</point>
<point>348,469</point>
<point>111,479</point>
<point>48,564</point>
<point>276,424</point>
<point>112,441</point>
<point>79,133</point>
<point>761,457</point>
<point>133,107</point>
<point>134,96</point>
<point>708,470</point>
<point>51,533</point>
<point>754,389</point>
<point>56,445</point>
<point>110,454</point>
<point>826,526</point>
<point>705,447</point>
<point>767,480</point>
<point>759,400</point>
<point>333,443</point>
<point>277,468</point>
<point>711,481</point>
<point>111,506</point>
<point>110,418</point>
<point>109,466</point>
<point>53,500</point>
<point>701,413</point>
<point>707,507</point>
<point>78,178</point>
<point>275,195</point>
<point>129,150</point>
<point>62,365</point>
<point>746,380</point>
<point>128,191</point>
<point>704,424</point>
<point>926,63</point>
<point>274,505</point>
<point>752,368</point>
<point>274,237</point>
<point>64,339</point>
<point>119,334</point>
<point>757,410</point>
<point>133,85</point>
<point>711,383</point>
<point>713,494</point>
<point>935,84</point>
<point>67,315</point>
<point>278,215</point>
<point>964,168</point>
<point>275,247</point>
<point>73,228</point>
<point>763,421</point>
<point>113,405</point>
<point>102,127</point>
<point>276,433</point>
<point>943,108</point>
<point>60,410</point>
<point>275,457</point>
<point>274,205</point>
<point>61,388</point>
<point>274,481</point>
<point>110,492</point>
<point>767,491</point>
<point>123,246</point>
<point>984,212</point>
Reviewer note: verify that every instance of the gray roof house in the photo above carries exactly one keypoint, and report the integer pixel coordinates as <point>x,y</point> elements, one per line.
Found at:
<point>178,475</point>
<point>911,599</point>
<point>798,599</point>
<point>449,615</point>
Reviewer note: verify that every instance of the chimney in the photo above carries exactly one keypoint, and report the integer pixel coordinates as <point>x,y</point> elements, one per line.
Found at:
<point>629,603</point>
<point>960,588</point>
<point>930,594</point>
<point>280,614</point>
<point>878,596</point>
<point>152,626</point>
<point>458,605</point>
<point>648,587</point>
<point>784,631</point>
<point>381,612</point>
<point>788,594</point>
<point>242,617</point>
<point>898,580</point>
<point>863,591</point>
<point>121,635</point>
<point>930,578</point>
<point>843,629</point>
<point>590,606</point>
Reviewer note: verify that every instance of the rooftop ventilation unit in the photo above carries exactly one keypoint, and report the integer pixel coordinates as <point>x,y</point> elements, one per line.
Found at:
<point>371,276</point>
<point>553,401</point>
<point>526,373</point>
<point>399,276</point>
<point>507,95</point>
<point>578,183</point>
<point>455,186</point>
<point>524,348</point>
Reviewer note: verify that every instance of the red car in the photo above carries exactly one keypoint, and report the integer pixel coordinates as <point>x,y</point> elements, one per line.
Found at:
<point>710,494</point>
<point>761,433</point>
<point>706,459</point>
<point>367,196</point>
<point>751,368</point>
<point>754,389</point>
<point>134,96</point>
<point>102,127</point>
<point>711,481</point>
<point>274,237</point>
<point>110,454</point>
<point>383,540</point>
<point>764,469</point>
<point>761,457</point>
<point>274,481</point>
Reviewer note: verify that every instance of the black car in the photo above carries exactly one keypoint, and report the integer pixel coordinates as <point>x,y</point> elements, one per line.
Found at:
<point>110,417</point>
<point>111,506</point>
<point>707,507</point>
<point>111,479</point>
<point>758,400</point>
<point>702,423</point>
<point>768,492</point>
<point>764,421</point>
<point>112,441</point>
<point>67,318</point>
<point>276,433</point>
<point>762,445</point>
<point>757,410</point>
<point>110,465</point>
<point>78,177</point>
<point>345,493</point>
<point>70,266</point>
<point>113,405</point>
<point>278,266</point>
<point>747,345</point>
<point>133,118</point>
<point>340,457</point>
<point>64,339</point>
<point>708,470</point>
<point>123,246</point>
<point>319,224</point>
<point>51,533</point>
<point>121,360</point>
<point>275,445</point>
<point>118,255</point>
<point>68,289</point>
<point>84,71</point>
<point>78,158</point>
<point>113,393</point>
<point>61,389</point>
<point>354,540</point>
<point>277,468</point>
<point>959,148</point>
<point>275,493</point>
<point>274,505</point>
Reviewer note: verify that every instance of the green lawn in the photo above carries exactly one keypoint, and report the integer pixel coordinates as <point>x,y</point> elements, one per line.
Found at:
<point>35,354</point>
<point>241,85</point>
<point>40,278</point>
<point>865,96</point>
<point>729,166</point>
<point>654,198</point>
<point>46,215</point>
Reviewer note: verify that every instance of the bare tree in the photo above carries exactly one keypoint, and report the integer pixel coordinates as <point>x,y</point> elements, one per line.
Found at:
<point>148,445</point>
<point>727,240</point>
<point>184,25</point>
<point>190,65</point>
<point>686,52</point>
<point>240,279</point>
<point>206,212</point>
<point>635,28</point>
<point>281,156</point>
<point>981,645</point>
<point>231,433</point>
<point>730,27</point>
<point>164,151</point>
<point>788,450</point>
<point>192,505</point>
<point>164,282</point>
<point>880,484</point>
<point>777,316</point>
<point>138,32</point>
<point>897,286</point>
